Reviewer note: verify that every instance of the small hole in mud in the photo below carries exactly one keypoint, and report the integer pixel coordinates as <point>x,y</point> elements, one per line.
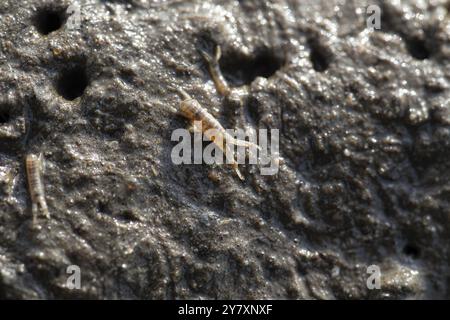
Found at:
<point>239,69</point>
<point>128,215</point>
<point>5,115</point>
<point>103,208</point>
<point>253,110</point>
<point>319,57</point>
<point>411,250</point>
<point>72,83</point>
<point>49,20</point>
<point>417,48</point>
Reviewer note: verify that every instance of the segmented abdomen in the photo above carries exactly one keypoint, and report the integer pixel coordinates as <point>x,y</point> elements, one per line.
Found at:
<point>33,168</point>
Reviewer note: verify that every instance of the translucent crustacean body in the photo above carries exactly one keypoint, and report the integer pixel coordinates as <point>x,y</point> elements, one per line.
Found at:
<point>214,70</point>
<point>192,110</point>
<point>34,167</point>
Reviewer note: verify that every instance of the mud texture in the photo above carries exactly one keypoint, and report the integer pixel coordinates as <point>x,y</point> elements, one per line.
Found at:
<point>364,124</point>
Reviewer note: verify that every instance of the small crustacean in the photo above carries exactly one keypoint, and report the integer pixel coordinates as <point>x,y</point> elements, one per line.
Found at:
<point>192,110</point>
<point>214,69</point>
<point>34,167</point>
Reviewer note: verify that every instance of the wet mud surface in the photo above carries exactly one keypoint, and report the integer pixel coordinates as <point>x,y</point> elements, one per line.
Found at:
<point>364,124</point>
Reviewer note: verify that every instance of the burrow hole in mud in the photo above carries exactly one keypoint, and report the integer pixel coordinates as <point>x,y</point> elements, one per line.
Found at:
<point>320,56</point>
<point>253,110</point>
<point>239,69</point>
<point>103,208</point>
<point>417,48</point>
<point>72,82</point>
<point>411,250</point>
<point>48,20</point>
<point>5,114</point>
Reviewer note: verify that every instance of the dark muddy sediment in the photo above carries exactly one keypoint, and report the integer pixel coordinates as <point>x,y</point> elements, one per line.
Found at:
<point>364,124</point>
